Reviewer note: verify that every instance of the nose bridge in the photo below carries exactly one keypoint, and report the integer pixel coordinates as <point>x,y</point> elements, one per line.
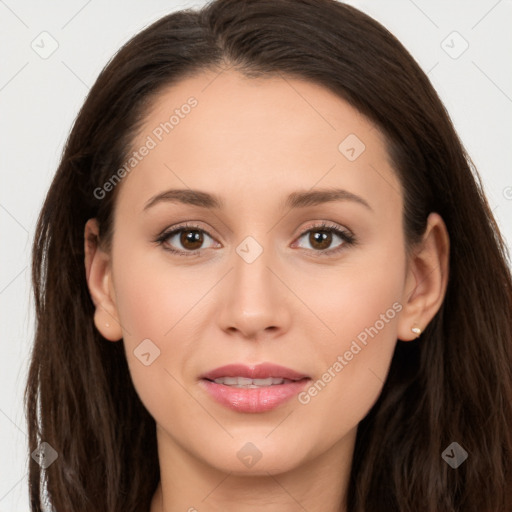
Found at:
<point>251,275</point>
<point>253,301</point>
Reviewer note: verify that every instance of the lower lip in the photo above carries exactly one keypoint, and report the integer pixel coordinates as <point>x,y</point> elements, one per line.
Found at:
<point>254,399</point>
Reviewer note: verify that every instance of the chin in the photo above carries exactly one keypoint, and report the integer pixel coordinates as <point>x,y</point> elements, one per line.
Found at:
<point>255,456</point>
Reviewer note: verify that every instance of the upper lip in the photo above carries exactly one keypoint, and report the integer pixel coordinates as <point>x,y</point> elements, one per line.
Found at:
<point>259,371</point>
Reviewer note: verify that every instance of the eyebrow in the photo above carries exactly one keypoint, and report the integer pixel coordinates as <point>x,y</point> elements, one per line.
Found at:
<point>299,199</point>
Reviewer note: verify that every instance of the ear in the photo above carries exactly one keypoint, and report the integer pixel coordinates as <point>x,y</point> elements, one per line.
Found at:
<point>426,280</point>
<point>99,281</point>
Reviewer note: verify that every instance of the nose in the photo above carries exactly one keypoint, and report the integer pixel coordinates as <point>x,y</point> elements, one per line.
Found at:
<point>255,303</point>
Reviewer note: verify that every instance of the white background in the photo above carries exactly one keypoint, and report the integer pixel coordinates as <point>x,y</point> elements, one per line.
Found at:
<point>39,99</point>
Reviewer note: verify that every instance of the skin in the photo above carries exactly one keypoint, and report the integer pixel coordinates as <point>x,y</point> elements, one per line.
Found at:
<point>252,142</point>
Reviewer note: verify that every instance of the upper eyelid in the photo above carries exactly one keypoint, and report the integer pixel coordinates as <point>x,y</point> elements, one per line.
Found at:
<point>318,225</point>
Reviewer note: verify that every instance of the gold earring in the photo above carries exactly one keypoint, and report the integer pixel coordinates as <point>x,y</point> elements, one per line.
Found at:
<point>417,331</point>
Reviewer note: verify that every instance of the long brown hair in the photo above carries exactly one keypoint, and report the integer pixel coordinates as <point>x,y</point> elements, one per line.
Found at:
<point>453,385</point>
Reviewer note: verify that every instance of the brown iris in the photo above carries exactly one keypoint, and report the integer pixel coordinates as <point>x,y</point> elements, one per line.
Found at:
<point>324,238</point>
<point>193,237</point>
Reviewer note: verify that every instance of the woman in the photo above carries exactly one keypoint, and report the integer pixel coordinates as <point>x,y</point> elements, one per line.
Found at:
<point>267,278</point>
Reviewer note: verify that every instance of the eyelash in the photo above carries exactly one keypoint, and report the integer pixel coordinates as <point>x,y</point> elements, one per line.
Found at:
<point>347,237</point>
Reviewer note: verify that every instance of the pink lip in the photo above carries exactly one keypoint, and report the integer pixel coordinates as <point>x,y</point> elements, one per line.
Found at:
<point>251,399</point>
<point>260,371</point>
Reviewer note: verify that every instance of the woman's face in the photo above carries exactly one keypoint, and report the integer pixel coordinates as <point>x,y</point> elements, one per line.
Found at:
<point>255,277</point>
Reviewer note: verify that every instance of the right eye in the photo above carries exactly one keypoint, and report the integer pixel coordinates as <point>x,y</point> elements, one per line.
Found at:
<point>190,237</point>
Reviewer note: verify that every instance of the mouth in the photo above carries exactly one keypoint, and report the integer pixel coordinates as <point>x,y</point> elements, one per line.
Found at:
<point>253,389</point>
<point>246,383</point>
<point>258,372</point>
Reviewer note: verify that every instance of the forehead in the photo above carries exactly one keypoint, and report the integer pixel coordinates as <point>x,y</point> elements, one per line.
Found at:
<point>242,137</point>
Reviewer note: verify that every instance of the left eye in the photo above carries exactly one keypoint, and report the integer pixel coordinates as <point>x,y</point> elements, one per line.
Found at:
<point>321,238</point>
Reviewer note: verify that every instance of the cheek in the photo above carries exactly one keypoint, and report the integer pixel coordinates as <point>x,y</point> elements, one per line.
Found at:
<point>354,297</point>
<point>151,295</point>
<point>151,303</point>
<point>361,309</point>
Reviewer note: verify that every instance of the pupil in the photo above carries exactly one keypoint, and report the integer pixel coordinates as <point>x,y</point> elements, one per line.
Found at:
<point>322,238</point>
<point>191,237</point>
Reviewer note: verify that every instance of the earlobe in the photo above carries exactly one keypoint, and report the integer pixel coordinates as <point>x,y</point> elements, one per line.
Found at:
<point>98,276</point>
<point>426,281</point>
<point>107,325</point>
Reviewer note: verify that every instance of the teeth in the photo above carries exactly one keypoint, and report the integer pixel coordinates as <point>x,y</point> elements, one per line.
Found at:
<point>244,382</point>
